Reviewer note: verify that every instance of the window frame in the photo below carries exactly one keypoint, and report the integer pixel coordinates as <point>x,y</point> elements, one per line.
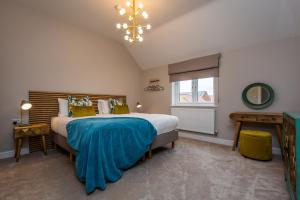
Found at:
<point>176,93</point>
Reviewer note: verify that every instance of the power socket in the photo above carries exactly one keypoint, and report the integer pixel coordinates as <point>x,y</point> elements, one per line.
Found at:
<point>16,121</point>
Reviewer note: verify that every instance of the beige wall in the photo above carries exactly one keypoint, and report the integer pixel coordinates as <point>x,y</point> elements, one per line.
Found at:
<point>157,102</point>
<point>40,53</point>
<point>276,64</point>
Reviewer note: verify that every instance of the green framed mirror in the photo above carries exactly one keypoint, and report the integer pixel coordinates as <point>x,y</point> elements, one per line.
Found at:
<point>258,96</point>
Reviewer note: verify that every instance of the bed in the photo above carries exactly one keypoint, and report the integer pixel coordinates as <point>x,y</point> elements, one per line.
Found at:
<point>45,110</point>
<point>105,145</point>
<point>164,124</point>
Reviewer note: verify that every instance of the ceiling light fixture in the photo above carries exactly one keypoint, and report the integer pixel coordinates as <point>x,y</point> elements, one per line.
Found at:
<point>133,29</point>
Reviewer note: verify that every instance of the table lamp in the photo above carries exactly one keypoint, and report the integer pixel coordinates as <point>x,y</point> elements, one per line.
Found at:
<point>25,105</point>
<point>138,106</point>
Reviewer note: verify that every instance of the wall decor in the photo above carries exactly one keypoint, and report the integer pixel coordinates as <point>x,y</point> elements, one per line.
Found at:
<point>154,86</point>
<point>258,96</point>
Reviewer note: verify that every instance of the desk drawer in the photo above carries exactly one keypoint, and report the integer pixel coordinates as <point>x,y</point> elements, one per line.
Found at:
<point>269,119</point>
<point>245,118</point>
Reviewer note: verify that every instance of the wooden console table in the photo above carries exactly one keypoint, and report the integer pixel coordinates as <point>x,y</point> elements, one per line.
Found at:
<point>255,117</point>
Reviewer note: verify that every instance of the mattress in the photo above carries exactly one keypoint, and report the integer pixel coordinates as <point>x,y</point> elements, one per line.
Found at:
<point>162,123</point>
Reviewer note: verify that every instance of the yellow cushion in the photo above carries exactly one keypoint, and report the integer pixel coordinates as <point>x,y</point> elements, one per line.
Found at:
<point>121,109</point>
<point>82,111</point>
<point>256,133</point>
<point>256,144</point>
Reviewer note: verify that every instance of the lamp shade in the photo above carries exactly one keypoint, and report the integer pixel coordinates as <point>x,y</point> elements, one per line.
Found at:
<point>25,105</point>
<point>138,105</point>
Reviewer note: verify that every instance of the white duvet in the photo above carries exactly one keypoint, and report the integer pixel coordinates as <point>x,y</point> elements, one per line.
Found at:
<point>162,123</point>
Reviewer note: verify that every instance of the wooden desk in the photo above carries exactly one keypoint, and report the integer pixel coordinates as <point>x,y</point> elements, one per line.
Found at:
<point>255,117</point>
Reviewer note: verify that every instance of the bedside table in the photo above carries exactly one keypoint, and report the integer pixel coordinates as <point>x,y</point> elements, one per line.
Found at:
<point>31,130</point>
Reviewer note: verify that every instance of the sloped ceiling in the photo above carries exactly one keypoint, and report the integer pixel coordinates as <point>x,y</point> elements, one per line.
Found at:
<point>184,29</point>
<point>100,15</point>
<point>218,26</point>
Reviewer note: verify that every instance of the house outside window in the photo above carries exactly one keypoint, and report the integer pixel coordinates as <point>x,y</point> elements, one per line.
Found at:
<point>201,92</point>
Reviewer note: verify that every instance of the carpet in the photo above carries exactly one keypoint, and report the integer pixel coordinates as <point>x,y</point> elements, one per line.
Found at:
<point>194,170</point>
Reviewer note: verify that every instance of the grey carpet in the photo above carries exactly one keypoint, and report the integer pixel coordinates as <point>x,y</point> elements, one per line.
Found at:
<point>192,171</point>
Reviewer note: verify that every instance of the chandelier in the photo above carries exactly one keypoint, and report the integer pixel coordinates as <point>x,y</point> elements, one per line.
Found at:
<point>134,14</point>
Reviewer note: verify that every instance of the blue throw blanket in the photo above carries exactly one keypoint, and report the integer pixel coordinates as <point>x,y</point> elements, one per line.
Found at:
<point>107,146</point>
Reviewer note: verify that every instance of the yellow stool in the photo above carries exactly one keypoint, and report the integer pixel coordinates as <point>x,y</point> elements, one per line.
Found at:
<point>256,144</point>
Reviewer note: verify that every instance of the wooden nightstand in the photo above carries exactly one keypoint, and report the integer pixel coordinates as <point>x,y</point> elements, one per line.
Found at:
<point>21,132</point>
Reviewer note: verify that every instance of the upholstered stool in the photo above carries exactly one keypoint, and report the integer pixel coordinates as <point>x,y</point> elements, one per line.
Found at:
<point>256,144</point>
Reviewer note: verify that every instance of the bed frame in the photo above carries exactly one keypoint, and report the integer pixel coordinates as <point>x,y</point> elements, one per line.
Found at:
<point>45,106</point>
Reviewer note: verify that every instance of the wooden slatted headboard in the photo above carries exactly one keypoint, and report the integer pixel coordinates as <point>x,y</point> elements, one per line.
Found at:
<point>45,106</point>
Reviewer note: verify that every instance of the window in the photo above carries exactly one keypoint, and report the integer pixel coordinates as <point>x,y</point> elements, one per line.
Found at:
<point>185,91</point>
<point>197,92</point>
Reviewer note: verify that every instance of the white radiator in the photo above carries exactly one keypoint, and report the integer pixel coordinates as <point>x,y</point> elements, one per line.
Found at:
<point>200,120</point>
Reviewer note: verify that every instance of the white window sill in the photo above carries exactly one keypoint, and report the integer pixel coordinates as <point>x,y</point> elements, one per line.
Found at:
<point>193,106</point>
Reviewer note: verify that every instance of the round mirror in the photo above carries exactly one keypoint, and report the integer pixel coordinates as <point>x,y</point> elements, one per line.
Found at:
<point>258,96</point>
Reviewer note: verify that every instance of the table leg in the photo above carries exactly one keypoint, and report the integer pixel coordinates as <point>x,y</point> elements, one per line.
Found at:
<point>237,130</point>
<point>16,148</point>
<point>279,135</point>
<point>19,146</point>
<point>44,144</point>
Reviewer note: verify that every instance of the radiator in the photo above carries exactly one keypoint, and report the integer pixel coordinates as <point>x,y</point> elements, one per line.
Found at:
<point>200,120</point>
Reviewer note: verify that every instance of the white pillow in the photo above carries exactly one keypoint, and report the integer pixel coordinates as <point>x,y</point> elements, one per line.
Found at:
<point>63,110</point>
<point>103,107</point>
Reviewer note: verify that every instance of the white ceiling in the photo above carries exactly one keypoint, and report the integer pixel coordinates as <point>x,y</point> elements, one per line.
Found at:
<point>184,29</point>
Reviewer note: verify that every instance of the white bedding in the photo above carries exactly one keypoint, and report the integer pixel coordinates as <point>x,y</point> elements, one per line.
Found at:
<point>162,123</point>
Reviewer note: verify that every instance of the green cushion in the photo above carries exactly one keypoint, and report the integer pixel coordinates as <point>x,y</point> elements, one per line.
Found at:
<point>114,102</point>
<point>255,133</point>
<point>74,101</point>
<point>82,111</point>
<point>121,109</point>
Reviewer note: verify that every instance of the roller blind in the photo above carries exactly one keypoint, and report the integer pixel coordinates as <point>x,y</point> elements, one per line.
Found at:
<point>203,67</point>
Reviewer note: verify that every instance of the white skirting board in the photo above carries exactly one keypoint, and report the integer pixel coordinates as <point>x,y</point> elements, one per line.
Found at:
<point>215,140</point>
<point>11,153</point>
